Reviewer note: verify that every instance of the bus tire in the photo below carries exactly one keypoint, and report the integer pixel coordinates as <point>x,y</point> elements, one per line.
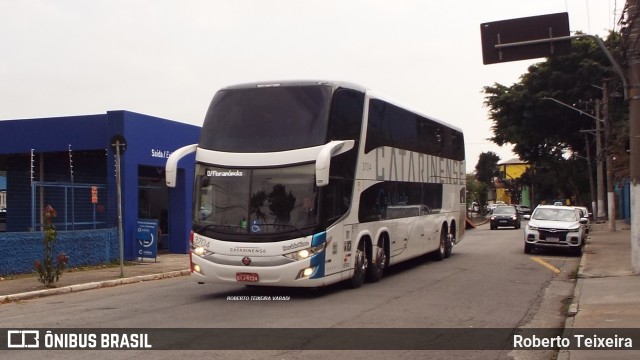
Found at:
<point>376,269</point>
<point>450,240</point>
<point>440,254</point>
<point>359,267</point>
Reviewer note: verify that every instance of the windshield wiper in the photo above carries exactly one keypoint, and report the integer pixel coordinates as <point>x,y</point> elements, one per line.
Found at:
<point>213,226</point>
<point>258,229</point>
<point>252,229</point>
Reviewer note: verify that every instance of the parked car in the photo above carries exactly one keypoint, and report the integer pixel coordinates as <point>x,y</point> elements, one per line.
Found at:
<point>491,207</point>
<point>555,226</point>
<point>505,215</point>
<point>586,214</point>
<point>523,209</point>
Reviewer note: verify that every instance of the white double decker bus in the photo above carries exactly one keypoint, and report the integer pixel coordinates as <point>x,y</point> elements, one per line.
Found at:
<point>310,183</point>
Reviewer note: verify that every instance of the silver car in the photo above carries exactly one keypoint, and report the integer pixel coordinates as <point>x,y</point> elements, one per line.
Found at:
<point>555,226</point>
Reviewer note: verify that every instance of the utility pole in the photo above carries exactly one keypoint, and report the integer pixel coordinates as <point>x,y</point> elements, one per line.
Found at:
<point>633,79</point>
<point>611,203</point>
<point>601,212</point>
<point>592,187</point>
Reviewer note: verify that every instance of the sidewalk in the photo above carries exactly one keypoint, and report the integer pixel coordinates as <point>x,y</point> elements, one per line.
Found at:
<point>607,293</point>
<point>165,266</point>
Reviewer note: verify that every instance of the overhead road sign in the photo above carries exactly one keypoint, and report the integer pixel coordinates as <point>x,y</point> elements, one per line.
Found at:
<point>525,38</point>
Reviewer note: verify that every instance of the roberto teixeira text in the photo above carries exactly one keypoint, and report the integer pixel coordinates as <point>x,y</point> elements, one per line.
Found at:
<point>575,341</point>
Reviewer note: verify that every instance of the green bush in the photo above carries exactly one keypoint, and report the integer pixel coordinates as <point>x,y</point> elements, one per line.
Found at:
<point>49,272</point>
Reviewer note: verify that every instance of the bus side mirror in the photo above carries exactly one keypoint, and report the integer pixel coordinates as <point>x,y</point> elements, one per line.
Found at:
<point>171,168</point>
<point>323,161</point>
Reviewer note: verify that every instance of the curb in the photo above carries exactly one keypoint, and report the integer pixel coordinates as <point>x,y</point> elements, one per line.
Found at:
<point>574,307</point>
<point>575,301</point>
<point>92,285</point>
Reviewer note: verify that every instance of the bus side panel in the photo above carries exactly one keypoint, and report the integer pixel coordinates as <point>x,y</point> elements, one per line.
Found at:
<point>425,237</point>
<point>337,239</point>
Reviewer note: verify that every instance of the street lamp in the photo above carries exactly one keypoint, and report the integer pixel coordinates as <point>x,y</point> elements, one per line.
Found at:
<point>571,107</point>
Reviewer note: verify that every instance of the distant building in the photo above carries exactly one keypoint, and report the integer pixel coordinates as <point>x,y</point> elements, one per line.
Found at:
<point>509,187</point>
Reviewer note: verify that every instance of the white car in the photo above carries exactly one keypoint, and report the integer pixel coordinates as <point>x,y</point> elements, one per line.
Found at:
<point>555,226</point>
<point>491,207</point>
<point>586,214</point>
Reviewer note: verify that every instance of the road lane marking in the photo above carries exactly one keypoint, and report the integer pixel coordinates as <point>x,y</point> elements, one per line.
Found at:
<point>545,264</point>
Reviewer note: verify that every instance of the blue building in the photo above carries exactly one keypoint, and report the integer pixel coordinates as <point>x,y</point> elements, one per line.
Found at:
<point>69,163</point>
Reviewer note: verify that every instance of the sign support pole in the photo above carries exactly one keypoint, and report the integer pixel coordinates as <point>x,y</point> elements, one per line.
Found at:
<point>119,190</point>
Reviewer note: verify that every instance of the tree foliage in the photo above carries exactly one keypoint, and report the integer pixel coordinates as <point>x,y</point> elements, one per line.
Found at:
<point>477,191</point>
<point>547,134</point>
<point>487,167</point>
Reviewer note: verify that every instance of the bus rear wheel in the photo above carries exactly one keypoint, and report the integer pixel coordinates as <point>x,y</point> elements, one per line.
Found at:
<point>360,267</point>
<point>445,241</point>
<point>450,241</point>
<point>376,270</point>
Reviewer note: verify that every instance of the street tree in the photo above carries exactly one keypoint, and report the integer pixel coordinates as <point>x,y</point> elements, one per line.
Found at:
<point>486,171</point>
<point>548,135</point>
<point>476,191</point>
<point>487,167</point>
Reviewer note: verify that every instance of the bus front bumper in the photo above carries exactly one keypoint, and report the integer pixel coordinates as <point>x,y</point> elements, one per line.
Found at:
<point>296,274</point>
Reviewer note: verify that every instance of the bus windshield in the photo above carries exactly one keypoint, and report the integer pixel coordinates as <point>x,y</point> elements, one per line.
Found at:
<point>259,201</point>
<point>267,119</point>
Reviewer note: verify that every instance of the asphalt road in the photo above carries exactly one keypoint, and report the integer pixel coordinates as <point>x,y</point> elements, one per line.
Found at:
<point>488,282</point>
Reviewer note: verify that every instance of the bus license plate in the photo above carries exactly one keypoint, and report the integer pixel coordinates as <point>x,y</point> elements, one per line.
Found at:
<point>553,239</point>
<point>247,277</point>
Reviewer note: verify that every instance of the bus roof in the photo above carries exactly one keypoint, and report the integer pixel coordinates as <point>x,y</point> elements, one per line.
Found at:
<point>336,84</point>
<point>278,83</point>
<point>375,95</point>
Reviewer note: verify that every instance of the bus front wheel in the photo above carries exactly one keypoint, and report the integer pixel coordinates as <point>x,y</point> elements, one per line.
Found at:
<point>360,267</point>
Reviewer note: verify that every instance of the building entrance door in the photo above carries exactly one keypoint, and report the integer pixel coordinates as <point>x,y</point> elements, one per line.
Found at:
<point>153,201</point>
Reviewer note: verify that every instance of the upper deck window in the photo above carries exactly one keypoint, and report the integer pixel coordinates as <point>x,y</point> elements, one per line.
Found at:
<point>267,119</point>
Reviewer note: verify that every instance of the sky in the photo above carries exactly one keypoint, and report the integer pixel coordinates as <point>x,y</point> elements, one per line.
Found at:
<point>167,58</point>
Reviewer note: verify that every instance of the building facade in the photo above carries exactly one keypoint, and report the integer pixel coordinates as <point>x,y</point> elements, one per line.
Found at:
<point>509,187</point>
<point>69,163</point>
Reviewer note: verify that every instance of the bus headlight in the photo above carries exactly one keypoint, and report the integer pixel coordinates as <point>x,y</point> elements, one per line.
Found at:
<point>196,268</point>
<point>305,273</point>
<point>305,253</point>
<point>200,251</point>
